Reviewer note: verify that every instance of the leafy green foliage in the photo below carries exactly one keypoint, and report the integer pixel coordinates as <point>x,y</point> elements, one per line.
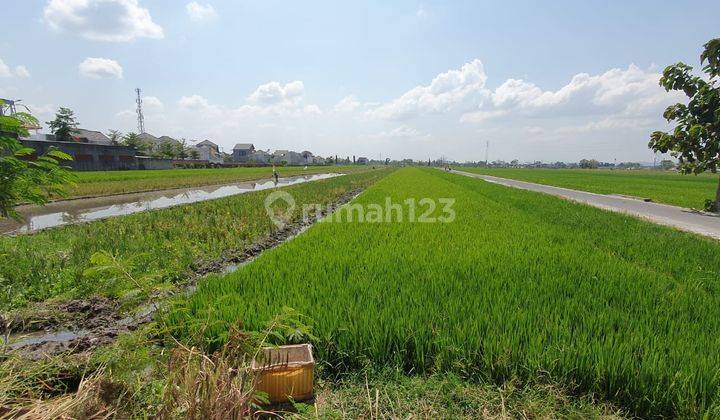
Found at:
<point>64,125</point>
<point>133,140</point>
<point>24,178</point>
<point>695,141</point>
<point>520,285</point>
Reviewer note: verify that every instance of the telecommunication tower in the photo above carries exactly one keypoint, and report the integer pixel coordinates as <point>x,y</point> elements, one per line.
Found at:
<point>140,117</point>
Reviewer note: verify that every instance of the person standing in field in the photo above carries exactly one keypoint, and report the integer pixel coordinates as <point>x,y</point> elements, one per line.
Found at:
<point>275,174</point>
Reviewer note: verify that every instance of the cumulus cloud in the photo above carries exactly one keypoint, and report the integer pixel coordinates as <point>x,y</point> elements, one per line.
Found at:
<point>277,93</point>
<point>402,132</point>
<point>624,92</point>
<point>347,104</point>
<point>200,12</point>
<point>100,68</point>
<point>20,71</point>
<point>451,90</point>
<point>4,69</point>
<point>152,102</point>
<point>102,20</point>
<point>193,102</point>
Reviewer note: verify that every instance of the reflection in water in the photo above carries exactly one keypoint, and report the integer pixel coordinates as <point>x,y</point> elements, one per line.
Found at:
<point>85,210</point>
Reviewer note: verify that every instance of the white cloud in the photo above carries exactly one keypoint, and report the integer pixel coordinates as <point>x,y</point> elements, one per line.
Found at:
<point>102,20</point>
<point>4,70</point>
<point>22,72</point>
<point>100,68</point>
<point>153,103</point>
<point>277,93</point>
<point>451,90</point>
<point>193,102</point>
<point>625,92</point>
<point>199,12</point>
<point>347,104</point>
<point>402,132</point>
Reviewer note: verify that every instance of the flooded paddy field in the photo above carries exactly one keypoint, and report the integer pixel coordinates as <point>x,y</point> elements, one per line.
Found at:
<point>95,184</point>
<point>64,212</point>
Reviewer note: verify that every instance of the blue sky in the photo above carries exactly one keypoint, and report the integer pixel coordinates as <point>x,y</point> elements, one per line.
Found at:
<point>547,81</point>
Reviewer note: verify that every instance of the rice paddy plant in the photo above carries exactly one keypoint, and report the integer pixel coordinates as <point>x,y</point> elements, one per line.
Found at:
<point>92,184</point>
<point>661,186</point>
<point>162,244</point>
<point>520,285</point>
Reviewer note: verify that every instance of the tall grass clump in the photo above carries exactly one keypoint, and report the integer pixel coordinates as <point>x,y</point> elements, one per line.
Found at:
<point>520,286</point>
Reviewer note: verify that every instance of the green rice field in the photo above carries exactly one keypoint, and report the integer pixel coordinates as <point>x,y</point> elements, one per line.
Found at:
<point>93,184</point>
<point>520,286</point>
<point>162,245</point>
<point>661,186</point>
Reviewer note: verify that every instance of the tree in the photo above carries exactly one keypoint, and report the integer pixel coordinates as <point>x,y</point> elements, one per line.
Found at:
<point>23,179</point>
<point>64,125</point>
<point>667,164</point>
<point>133,140</point>
<point>695,141</point>
<point>167,149</point>
<point>115,136</point>
<point>589,164</point>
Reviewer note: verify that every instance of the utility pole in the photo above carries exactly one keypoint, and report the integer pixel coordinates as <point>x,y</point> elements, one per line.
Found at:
<point>487,148</point>
<point>140,117</point>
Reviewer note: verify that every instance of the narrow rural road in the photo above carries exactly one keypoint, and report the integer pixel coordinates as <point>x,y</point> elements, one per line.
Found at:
<point>677,217</point>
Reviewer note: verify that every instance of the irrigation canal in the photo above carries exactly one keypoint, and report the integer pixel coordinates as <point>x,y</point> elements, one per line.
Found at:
<point>65,212</point>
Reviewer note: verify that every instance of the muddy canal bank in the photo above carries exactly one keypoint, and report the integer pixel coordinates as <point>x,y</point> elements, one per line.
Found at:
<point>79,326</point>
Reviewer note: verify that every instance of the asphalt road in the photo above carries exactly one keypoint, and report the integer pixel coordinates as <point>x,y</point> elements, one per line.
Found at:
<point>677,217</point>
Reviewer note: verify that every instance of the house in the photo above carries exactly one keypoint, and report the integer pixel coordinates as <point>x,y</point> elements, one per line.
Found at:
<point>87,155</point>
<point>242,151</point>
<point>260,156</point>
<point>288,157</point>
<point>91,136</point>
<point>209,151</point>
<point>308,156</point>
<point>362,160</point>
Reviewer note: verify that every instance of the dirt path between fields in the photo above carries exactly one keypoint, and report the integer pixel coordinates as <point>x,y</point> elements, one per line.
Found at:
<point>86,324</point>
<point>688,220</point>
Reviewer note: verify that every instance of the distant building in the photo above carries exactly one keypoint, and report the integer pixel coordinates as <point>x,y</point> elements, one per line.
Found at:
<point>362,160</point>
<point>155,142</point>
<point>260,156</point>
<point>86,156</point>
<point>308,157</point>
<point>91,136</point>
<point>242,151</point>
<point>288,157</point>
<point>209,151</point>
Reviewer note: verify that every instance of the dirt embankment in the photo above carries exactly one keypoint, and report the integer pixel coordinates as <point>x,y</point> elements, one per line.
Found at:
<point>81,325</point>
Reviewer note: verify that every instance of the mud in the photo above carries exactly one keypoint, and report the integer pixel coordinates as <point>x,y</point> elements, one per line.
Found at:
<point>80,326</point>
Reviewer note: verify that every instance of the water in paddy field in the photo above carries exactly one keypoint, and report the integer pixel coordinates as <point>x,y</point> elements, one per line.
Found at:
<point>88,209</point>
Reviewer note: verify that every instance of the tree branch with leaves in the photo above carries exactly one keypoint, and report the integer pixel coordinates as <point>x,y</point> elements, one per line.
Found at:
<point>24,177</point>
<point>695,141</point>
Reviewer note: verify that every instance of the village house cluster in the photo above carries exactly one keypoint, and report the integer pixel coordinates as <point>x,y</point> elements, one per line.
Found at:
<point>93,150</point>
